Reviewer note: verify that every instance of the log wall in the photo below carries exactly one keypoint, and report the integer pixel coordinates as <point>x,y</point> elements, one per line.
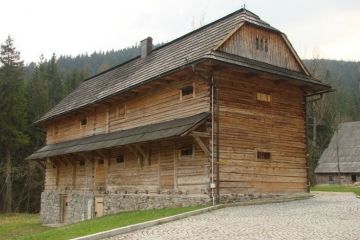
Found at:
<point>165,172</point>
<point>243,43</point>
<point>155,105</point>
<point>247,126</point>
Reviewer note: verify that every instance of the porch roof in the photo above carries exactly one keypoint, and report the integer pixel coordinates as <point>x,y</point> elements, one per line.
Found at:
<point>172,128</point>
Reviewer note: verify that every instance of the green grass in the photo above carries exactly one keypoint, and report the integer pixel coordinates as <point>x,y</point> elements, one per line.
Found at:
<point>27,227</point>
<point>336,188</point>
<point>13,226</point>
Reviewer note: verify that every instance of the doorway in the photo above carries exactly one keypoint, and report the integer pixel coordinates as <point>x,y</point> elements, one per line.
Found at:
<point>64,205</point>
<point>99,206</point>
<point>353,178</point>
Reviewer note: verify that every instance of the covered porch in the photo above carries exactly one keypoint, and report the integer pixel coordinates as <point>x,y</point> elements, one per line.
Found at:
<point>153,166</point>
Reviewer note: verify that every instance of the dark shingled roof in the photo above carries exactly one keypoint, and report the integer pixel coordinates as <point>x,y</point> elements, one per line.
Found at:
<point>345,144</point>
<point>151,132</point>
<point>190,48</point>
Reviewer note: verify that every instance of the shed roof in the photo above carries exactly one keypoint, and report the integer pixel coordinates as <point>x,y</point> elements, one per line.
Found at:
<point>173,128</point>
<point>346,144</point>
<point>190,48</point>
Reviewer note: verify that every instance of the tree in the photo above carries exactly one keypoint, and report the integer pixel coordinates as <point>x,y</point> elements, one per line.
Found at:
<point>56,88</point>
<point>13,111</point>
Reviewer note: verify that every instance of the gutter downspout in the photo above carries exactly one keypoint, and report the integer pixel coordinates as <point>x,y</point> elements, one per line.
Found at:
<point>217,145</point>
<point>212,185</point>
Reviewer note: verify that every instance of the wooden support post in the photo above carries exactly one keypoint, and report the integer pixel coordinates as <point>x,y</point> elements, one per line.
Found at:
<point>73,174</point>
<point>176,156</point>
<point>41,164</point>
<point>134,151</point>
<point>144,153</point>
<point>201,144</point>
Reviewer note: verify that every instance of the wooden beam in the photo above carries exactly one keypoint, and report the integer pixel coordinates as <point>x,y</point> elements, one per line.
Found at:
<point>134,151</point>
<point>201,134</point>
<point>102,154</point>
<point>144,153</point>
<point>41,164</point>
<point>84,156</point>
<point>201,144</point>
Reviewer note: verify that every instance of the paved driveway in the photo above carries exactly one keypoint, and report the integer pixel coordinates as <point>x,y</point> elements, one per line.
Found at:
<point>327,216</point>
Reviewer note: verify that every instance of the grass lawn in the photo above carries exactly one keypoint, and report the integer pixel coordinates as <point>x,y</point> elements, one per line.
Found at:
<point>13,226</point>
<point>336,188</point>
<point>27,226</point>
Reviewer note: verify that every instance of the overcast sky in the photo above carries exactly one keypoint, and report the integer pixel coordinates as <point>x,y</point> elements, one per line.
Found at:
<point>321,28</point>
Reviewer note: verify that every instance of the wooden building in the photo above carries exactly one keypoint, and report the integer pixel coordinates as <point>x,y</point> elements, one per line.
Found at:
<point>340,162</point>
<point>215,115</point>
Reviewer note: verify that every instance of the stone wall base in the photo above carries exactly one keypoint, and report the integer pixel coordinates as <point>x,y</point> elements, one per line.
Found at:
<point>81,206</point>
<point>241,197</point>
<point>130,202</point>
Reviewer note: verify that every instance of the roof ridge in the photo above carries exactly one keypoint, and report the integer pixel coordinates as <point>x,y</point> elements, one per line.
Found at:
<point>239,11</point>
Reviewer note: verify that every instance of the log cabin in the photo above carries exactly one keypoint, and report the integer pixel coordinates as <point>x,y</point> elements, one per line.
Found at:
<point>340,162</point>
<point>216,115</point>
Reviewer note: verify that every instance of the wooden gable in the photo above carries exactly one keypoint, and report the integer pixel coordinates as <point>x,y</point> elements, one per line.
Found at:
<point>263,45</point>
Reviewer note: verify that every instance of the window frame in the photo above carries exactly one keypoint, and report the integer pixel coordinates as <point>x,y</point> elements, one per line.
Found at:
<point>123,159</point>
<point>263,155</point>
<point>86,120</point>
<point>185,148</point>
<point>268,97</point>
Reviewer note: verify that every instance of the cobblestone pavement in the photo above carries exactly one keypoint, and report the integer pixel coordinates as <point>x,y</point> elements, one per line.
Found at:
<point>327,216</point>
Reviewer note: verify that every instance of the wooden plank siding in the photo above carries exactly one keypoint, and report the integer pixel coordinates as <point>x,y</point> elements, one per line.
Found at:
<point>166,171</point>
<point>158,104</point>
<point>248,125</point>
<point>243,43</point>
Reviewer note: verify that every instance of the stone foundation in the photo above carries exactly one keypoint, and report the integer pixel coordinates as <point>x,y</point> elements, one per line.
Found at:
<point>50,211</point>
<point>241,197</point>
<point>80,206</point>
<point>130,202</point>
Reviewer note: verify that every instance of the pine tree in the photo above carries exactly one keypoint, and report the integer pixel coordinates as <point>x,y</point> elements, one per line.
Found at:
<point>13,112</point>
<point>56,88</point>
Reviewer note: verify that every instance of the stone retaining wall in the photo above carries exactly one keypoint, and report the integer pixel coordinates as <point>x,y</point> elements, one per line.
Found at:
<point>80,205</point>
<point>129,202</point>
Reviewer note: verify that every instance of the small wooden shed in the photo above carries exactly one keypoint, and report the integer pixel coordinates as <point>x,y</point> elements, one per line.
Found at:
<point>340,162</point>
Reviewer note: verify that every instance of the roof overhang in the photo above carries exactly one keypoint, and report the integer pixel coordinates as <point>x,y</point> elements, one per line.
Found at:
<point>152,132</point>
<point>311,85</point>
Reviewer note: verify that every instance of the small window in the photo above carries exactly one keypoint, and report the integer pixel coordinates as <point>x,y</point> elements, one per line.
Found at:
<point>120,159</point>
<point>331,178</point>
<point>82,163</point>
<point>263,97</point>
<point>100,161</point>
<point>263,155</point>
<point>262,44</point>
<point>187,91</point>
<point>83,123</point>
<point>186,151</point>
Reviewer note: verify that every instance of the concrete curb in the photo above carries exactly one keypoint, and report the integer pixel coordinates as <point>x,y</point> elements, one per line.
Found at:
<point>131,228</point>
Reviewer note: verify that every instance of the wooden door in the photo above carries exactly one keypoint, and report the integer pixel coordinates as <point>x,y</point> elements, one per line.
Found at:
<point>167,166</point>
<point>64,205</point>
<point>99,206</point>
